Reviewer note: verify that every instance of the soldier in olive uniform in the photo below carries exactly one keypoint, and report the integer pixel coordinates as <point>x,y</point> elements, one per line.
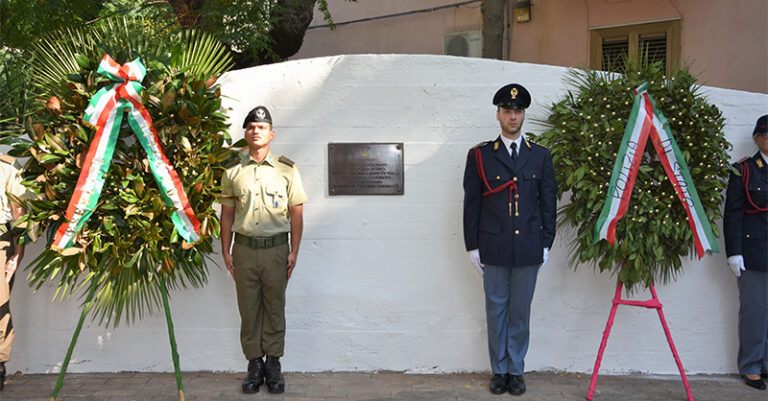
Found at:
<point>745,225</point>
<point>262,197</point>
<point>510,199</point>
<point>10,253</point>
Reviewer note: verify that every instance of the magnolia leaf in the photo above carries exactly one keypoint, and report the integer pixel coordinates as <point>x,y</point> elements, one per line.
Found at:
<point>71,251</point>
<point>168,99</point>
<point>83,61</point>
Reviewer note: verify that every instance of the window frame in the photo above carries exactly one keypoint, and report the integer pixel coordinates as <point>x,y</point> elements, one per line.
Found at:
<point>672,29</point>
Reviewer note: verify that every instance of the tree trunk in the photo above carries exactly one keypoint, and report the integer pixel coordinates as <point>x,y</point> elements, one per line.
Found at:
<point>187,12</point>
<point>493,28</point>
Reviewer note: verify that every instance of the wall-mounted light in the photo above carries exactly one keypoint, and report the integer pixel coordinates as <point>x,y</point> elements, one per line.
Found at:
<point>523,10</point>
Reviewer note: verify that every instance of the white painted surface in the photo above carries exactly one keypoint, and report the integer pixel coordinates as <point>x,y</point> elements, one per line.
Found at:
<point>383,282</point>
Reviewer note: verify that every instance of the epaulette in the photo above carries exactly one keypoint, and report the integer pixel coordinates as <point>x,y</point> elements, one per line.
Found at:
<point>285,160</point>
<point>7,159</point>
<point>480,144</point>
<point>528,142</point>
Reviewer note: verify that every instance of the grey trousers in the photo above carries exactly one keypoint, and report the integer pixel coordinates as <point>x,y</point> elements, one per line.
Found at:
<point>753,322</point>
<point>508,296</point>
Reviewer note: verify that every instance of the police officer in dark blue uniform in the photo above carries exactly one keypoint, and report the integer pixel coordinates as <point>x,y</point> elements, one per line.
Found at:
<point>745,224</point>
<point>510,198</point>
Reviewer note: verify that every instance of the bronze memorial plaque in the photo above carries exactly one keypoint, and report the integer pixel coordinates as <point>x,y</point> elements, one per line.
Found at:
<point>365,168</point>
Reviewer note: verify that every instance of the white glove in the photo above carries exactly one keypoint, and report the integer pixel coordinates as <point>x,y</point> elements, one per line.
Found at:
<point>474,257</point>
<point>545,257</point>
<point>10,267</point>
<point>736,263</point>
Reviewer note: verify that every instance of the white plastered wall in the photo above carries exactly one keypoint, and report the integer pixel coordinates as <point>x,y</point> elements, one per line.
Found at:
<point>383,282</point>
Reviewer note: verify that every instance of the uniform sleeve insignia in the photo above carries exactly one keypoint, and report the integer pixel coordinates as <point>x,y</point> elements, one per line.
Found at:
<point>7,159</point>
<point>285,160</point>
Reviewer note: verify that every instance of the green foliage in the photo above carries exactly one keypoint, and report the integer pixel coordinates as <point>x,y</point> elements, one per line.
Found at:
<point>130,241</point>
<point>13,86</point>
<point>586,129</point>
<point>23,20</point>
<point>244,26</point>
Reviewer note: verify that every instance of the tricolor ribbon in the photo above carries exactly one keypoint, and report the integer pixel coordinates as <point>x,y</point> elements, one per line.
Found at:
<point>644,121</point>
<point>105,111</point>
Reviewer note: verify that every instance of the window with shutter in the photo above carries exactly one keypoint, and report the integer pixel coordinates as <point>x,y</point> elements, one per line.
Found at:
<point>610,47</point>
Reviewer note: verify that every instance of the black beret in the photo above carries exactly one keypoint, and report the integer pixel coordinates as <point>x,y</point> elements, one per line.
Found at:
<point>512,96</point>
<point>260,114</point>
<point>761,126</point>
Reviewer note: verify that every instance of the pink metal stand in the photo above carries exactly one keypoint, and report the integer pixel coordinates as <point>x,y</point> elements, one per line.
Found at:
<point>652,303</point>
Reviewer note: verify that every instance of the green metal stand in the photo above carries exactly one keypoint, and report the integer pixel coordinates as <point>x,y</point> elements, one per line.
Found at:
<point>86,308</point>
<point>171,337</point>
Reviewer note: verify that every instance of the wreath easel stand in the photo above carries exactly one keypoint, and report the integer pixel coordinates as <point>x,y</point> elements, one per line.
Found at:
<point>87,307</point>
<point>652,303</point>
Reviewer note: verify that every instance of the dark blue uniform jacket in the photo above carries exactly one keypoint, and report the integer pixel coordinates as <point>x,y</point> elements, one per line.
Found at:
<point>747,234</point>
<point>504,240</point>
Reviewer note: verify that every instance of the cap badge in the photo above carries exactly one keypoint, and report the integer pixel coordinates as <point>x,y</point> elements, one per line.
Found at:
<point>513,92</point>
<point>260,113</point>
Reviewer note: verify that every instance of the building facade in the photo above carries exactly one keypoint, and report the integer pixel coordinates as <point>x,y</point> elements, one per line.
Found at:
<point>725,43</point>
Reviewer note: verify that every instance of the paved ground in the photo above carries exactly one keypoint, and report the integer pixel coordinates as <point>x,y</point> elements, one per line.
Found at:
<point>199,386</point>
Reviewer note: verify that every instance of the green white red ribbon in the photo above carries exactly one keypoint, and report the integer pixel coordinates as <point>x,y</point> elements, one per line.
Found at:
<point>105,111</point>
<point>646,121</point>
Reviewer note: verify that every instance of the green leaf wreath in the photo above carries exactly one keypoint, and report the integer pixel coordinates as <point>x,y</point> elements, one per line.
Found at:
<point>585,131</point>
<point>129,245</point>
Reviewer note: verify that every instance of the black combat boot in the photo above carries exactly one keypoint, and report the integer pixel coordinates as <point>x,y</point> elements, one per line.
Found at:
<point>275,378</point>
<point>255,376</point>
<point>2,375</point>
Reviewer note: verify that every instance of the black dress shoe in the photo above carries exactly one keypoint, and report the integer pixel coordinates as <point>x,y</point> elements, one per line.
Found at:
<point>275,378</point>
<point>255,376</point>
<point>2,375</point>
<point>498,384</point>
<point>516,385</point>
<point>757,383</point>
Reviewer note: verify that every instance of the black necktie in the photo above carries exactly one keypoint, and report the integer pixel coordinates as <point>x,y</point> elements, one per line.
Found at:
<point>513,146</point>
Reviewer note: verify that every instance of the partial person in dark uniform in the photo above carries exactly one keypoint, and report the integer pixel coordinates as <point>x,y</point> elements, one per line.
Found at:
<point>262,202</point>
<point>510,199</point>
<point>745,225</point>
<point>10,253</point>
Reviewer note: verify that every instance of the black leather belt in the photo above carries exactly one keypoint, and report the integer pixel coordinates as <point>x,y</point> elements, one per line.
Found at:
<point>261,242</point>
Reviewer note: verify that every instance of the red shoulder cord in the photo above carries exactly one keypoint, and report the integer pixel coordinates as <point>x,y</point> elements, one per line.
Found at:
<point>511,184</point>
<point>745,179</point>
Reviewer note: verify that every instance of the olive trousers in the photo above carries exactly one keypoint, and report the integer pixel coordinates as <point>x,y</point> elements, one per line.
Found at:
<point>6,325</point>
<point>261,278</point>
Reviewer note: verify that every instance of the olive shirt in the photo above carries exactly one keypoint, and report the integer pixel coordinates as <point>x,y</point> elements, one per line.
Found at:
<point>10,182</point>
<point>261,194</point>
